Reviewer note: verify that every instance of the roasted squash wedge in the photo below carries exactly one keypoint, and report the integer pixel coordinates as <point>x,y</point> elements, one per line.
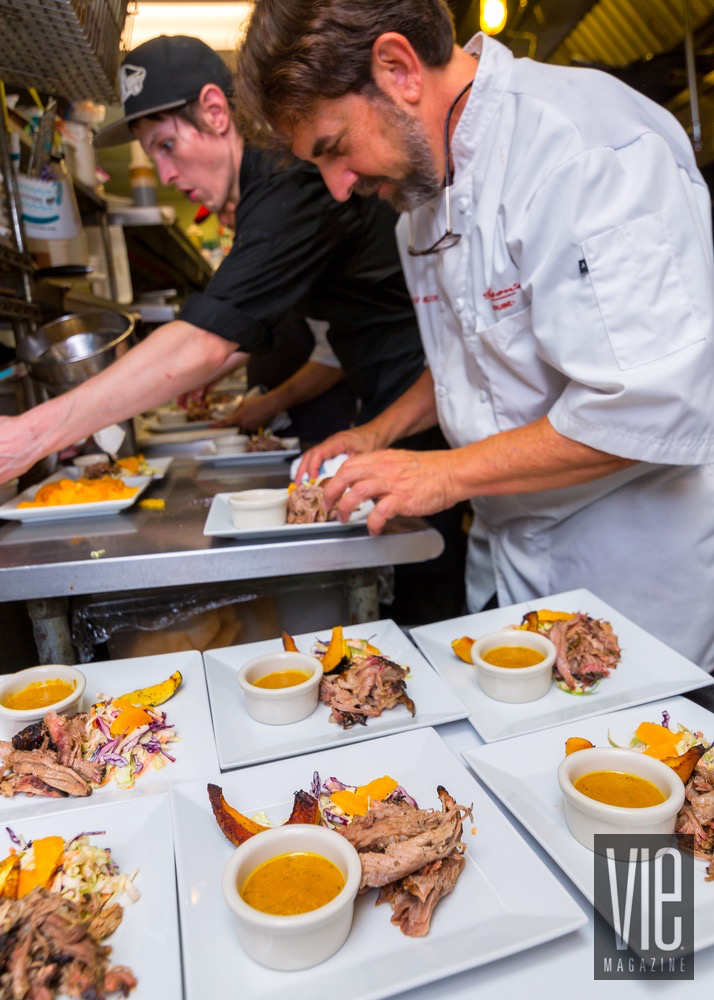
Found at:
<point>157,694</point>
<point>289,644</point>
<point>9,877</point>
<point>337,653</point>
<point>462,648</point>
<point>575,743</point>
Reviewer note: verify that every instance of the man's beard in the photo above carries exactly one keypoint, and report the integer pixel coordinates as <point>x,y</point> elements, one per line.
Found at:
<point>421,182</point>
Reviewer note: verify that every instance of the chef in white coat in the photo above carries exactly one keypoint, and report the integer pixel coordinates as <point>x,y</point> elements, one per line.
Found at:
<point>557,243</point>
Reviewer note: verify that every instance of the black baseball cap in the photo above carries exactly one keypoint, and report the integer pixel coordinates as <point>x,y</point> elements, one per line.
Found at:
<point>163,73</point>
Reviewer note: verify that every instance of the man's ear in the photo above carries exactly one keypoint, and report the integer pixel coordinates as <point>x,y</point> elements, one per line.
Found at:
<point>214,108</point>
<point>396,68</point>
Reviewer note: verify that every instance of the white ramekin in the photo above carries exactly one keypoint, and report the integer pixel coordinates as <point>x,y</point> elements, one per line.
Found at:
<point>280,706</point>
<point>13,720</point>
<point>305,939</point>
<point>586,816</point>
<point>514,684</point>
<point>233,444</point>
<point>258,508</point>
<point>85,461</point>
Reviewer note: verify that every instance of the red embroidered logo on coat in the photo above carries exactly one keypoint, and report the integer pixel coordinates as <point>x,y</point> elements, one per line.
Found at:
<point>502,298</point>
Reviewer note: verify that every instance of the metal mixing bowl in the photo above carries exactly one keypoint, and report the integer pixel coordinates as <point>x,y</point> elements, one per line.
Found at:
<point>63,354</point>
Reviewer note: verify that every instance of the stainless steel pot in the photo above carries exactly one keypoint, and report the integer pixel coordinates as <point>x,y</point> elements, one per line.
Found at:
<point>63,354</point>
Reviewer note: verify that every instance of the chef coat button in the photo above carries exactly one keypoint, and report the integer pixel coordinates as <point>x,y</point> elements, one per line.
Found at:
<point>463,204</point>
<point>441,391</point>
<point>483,395</point>
<point>459,305</point>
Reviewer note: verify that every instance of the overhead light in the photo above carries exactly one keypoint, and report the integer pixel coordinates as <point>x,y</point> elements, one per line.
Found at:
<point>493,16</point>
<point>220,25</point>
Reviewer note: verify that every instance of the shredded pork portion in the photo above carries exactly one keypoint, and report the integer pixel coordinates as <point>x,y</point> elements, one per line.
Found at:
<point>413,898</point>
<point>696,817</point>
<point>46,759</point>
<point>47,948</point>
<point>368,687</point>
<point>306,505</point>
<point>413,856</point>
<point>586,649</point>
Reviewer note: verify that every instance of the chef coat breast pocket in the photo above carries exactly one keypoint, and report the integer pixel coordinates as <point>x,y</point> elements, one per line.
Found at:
<point>637,283</point>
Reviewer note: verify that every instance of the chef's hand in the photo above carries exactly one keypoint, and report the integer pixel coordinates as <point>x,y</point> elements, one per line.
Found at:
<point>17,448</point>
<point>252,414</point>
<point>355,441</point>
<point>410,483</point>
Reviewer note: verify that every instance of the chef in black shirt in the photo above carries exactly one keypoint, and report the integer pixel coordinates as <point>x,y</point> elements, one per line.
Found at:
<point>294,247</point>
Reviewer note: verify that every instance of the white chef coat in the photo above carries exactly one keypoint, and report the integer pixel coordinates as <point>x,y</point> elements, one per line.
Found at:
<point>582,289</point>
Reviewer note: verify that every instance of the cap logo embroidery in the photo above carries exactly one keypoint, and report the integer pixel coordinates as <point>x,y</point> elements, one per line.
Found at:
<point>131,81</point>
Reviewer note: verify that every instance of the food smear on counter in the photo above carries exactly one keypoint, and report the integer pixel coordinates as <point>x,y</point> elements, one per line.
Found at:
<point>59,901</point>
<point>413,856</point>
<point>39,694</point>
<point>294,883</point>
<point>119,740</point>
<point>586,649</point>
<point>71,491</point>
<point>358,683</point>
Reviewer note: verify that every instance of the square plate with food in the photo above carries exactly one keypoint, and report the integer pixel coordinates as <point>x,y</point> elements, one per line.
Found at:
<point>647,668</point>
<point>12,511</point>
<point>138,834</point>
<point>134,764</point>
<point>497,908</point>
<point>219,523</point>
<point>241,740</point>
<point>523,773</point>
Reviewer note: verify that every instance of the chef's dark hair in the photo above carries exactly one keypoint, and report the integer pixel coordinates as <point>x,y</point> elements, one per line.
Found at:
<point>297,52</point>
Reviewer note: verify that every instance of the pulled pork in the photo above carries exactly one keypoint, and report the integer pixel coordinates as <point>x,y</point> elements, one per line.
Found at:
<point>586,649</point>
<point>47,947</point>
<point>306,505</point>
<point>413,856</point>
<point>696,817</point>
<point>369,686</point>
<point>46,759</point>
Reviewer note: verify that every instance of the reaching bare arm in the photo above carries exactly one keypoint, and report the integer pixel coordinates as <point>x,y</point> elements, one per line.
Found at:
<point>175,358</point>
<point>308,382</point>
<point>528,459</point>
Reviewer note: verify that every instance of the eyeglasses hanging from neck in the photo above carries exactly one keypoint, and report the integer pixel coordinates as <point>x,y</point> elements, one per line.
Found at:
<point>449,238</point>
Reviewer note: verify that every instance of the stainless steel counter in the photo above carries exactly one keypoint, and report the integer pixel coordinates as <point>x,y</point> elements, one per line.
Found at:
<point>140,549</point>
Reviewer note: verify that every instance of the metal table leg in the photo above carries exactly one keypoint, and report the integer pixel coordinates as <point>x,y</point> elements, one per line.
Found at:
<point>50,623</point>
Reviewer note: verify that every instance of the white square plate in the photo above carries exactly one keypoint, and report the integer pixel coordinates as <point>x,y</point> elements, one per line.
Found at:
<point>220,525</point>
<point>522,772</point>
<point>647,670</point>
<point>210,455</point>
<point>241,740</point>
<point>188,710</point>
<point>504,901</point>
<point>139,835</point>
<point>159,465</point>
<point>62,512</point>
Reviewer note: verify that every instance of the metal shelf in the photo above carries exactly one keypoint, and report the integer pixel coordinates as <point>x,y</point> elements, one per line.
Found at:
<point>9,257</point>
<point>68,48</point>
<point>12,307</point>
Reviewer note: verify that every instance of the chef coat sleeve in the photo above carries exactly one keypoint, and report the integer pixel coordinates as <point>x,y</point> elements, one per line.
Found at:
<point>615,256</point>
<point>288,228</point>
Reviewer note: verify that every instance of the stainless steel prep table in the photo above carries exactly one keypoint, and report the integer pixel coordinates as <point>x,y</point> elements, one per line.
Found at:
<point>47,562</point>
